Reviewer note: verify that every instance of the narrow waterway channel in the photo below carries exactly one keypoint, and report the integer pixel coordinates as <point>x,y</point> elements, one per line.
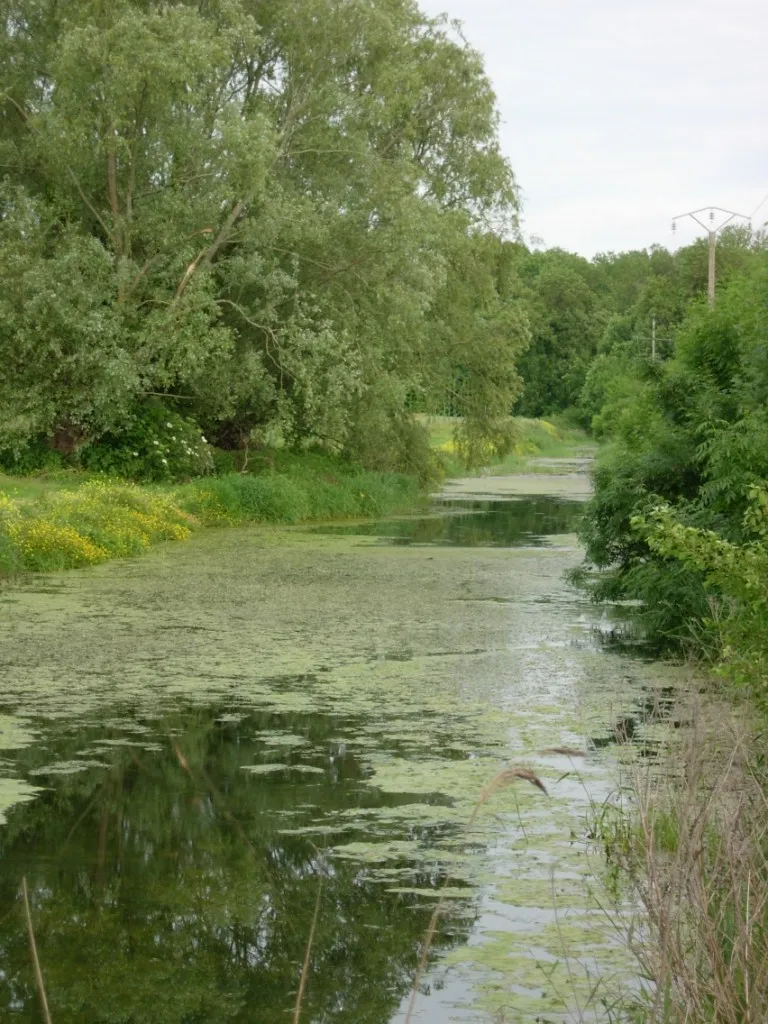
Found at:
<point>200,748</point>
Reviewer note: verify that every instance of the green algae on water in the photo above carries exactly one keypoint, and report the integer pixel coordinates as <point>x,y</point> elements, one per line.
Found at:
<point>339,704</point>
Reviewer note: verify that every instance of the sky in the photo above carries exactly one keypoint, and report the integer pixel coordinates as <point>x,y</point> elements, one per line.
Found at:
<point>617,115</point>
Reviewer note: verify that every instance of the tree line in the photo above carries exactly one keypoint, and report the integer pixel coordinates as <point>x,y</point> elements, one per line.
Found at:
<point>272,218</point>
<point>679,519</point>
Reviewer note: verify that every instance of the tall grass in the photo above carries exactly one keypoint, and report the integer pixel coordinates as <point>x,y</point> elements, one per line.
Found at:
<point>696,852</point>
<point>301,496</point>
<point>79,522</point>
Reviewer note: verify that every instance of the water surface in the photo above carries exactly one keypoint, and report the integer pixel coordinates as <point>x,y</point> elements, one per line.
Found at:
<point>199,748</point>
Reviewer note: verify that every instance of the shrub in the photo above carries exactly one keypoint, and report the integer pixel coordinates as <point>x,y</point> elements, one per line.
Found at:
<point>157,445</point>
<point>32,457</point>
<point>691,438</point>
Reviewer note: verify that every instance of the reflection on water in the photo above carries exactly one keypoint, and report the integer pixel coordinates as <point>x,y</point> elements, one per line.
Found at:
<point>636,728</point>
<point>257,716</point>
<point>474,523</point>
<point>176,881</point>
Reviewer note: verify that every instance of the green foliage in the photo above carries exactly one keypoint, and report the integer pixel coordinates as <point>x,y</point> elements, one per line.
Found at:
<point>84,522</point>
<point>10,557</point>
<point>156,445</point>
<point>72,528</point>
<point>386,442</point>
<point>34,455</point>
<point>597,325</point>
<point>529,438</point>
<point>567,318</point>
<point>299,493</point>
<point>735,580</point>
<point>674,517</point>
<point>284,215</point>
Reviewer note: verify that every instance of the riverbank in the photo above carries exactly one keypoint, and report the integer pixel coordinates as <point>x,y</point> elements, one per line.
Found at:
<point>538,446</point>
<point>70,519</point>
<point>686,843</point>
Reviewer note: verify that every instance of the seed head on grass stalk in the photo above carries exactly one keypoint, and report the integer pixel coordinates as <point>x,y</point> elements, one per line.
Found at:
<point>700,871</point>
<point>504,778</point>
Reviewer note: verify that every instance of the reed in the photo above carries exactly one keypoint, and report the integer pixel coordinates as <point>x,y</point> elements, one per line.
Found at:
<point>33,953</point>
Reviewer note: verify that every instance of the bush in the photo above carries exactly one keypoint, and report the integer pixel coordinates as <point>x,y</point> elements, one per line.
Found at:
<point>734,581</point>
<point>33,457</point>
<point>384,442</point>
<point>156,446</point>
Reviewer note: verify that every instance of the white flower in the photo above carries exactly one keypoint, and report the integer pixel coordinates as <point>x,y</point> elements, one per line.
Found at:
<point>203,439</point>
<point>164,461</point>
<point>170,425</point>
<point>156,442</point>
<point>173,437</point>
<point>136,455</point>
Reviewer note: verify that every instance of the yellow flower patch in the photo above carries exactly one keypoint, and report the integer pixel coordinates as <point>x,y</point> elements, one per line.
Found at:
<point>100,520</point>
<point>44,544</point>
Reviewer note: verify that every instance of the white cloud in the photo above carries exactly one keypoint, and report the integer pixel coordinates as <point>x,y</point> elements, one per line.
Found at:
<point>618,114</point>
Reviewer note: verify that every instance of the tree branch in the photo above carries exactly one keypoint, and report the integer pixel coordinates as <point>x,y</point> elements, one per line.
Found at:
<point>207,256</point>
<point>89,204</point>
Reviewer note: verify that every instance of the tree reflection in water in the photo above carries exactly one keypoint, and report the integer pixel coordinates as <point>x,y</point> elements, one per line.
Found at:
<point>167,887</point>
<point>478,523</point>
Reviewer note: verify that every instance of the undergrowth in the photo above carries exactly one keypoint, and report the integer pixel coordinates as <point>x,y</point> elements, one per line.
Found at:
<point>75,521</point>
<point>692,846</point>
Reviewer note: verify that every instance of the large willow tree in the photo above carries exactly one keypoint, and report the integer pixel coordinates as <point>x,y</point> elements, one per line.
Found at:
<point>273,212</point>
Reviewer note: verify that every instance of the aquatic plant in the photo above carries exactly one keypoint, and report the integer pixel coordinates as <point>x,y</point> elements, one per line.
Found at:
<point>499,781</point>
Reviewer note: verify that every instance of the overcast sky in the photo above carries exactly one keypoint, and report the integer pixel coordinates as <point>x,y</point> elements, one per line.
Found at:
<point>618,114</point>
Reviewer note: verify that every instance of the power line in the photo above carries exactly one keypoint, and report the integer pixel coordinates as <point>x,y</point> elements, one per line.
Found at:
<point>712,234</point>
<point>762,201</point>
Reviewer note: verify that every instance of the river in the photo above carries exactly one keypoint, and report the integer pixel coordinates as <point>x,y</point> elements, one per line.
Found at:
<point>204,750</point>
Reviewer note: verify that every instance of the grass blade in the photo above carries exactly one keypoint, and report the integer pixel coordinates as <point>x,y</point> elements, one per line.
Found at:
<point>33,953</point>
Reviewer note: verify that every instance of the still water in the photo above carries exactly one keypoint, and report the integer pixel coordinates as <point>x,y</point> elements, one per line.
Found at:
<point>201,749</point>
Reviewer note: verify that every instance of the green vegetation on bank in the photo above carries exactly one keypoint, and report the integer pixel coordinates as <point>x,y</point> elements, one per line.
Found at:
<point>261,264</point>
<point>679,518</point>
<point>677,530</point>
<point>73,520</point>
<point>280,221</point>
<point>64,518</point>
